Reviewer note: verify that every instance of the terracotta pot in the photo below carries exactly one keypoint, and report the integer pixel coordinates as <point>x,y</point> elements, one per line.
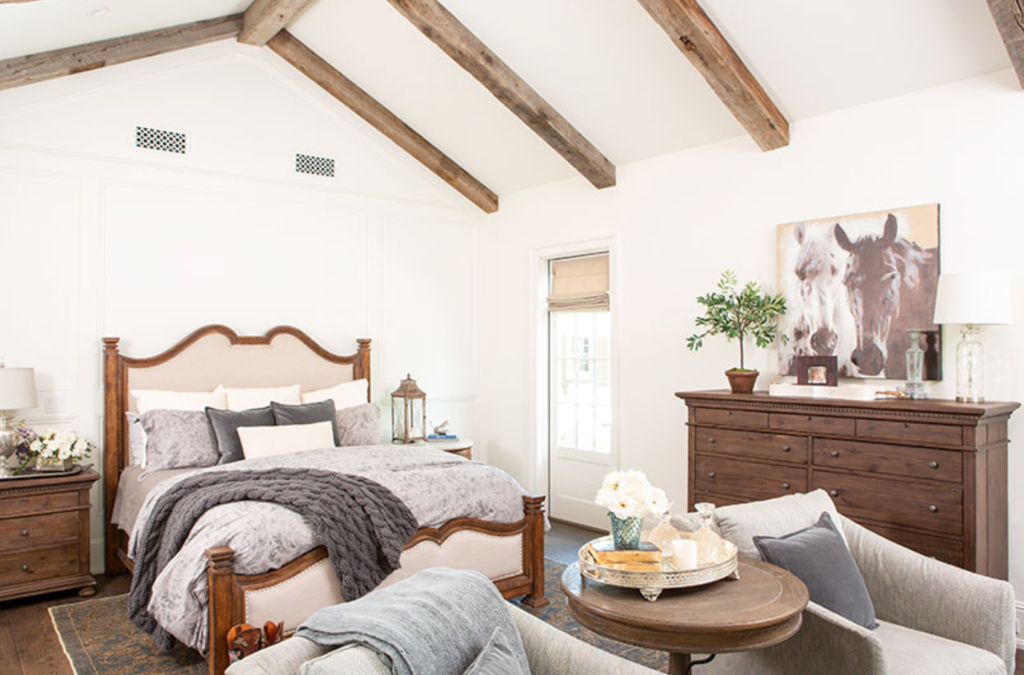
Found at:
<point>742,381</point>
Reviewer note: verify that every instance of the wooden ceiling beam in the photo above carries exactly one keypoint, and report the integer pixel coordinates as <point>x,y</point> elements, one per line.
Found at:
<point>448,33</point>
<point>288,47</point>
<point>266,18</point>
<point>699,39</point>
<point>22,70</point>
<point>1009,17</point>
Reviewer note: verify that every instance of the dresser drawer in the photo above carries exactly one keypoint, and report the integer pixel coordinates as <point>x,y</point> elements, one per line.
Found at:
<point>918,432</point>
<point>15,505</point>
<point>39,565</point>
<point>947,550</point>
<point>896,460</point>
<point>813,424</point>
<point>931,507</point>
<point>747,479</point>
<point>18,533</point>
<point>753,444</point>
<point>732,418</point>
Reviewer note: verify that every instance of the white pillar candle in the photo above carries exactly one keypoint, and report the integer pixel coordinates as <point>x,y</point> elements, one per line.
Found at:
<point>684,553</point>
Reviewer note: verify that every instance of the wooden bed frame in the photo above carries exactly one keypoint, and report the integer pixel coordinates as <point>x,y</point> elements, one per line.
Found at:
<point>227,590</point>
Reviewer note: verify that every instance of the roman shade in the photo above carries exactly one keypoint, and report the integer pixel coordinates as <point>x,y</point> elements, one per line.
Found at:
<point>579,284</point>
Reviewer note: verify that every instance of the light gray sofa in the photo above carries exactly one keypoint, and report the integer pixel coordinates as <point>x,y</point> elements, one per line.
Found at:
<point>549,651</point>
<point>934,619</point>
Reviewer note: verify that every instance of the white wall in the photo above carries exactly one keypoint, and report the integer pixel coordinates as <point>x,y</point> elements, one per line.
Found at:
<point>101,238</point>
<point>679,220</point>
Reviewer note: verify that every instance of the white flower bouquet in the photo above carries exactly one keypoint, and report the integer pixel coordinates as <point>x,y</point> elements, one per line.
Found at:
<point>58,450</point>
<point>628,494</point>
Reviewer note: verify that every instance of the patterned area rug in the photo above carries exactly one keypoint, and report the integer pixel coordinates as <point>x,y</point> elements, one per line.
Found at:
<point>99,640</point>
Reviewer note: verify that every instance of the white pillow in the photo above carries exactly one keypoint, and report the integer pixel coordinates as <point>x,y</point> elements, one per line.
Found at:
<point>284,440</point>
<point>344,395</point>
<point>246,399</point>
<point>156,399</point>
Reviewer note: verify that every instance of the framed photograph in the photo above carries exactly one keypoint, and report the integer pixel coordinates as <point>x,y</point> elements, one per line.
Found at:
<point>819,371</point>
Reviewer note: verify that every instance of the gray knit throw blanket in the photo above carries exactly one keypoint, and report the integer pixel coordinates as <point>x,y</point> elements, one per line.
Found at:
<point>362,524</point>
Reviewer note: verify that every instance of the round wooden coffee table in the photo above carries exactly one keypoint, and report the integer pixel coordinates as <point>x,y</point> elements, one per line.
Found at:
<point>762,608</point>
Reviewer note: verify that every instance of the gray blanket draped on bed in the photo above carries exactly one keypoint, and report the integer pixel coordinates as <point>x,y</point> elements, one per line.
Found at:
<point>362,524</point>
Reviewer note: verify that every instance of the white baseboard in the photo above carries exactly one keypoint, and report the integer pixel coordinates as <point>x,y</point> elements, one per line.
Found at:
<point>1020,621</point>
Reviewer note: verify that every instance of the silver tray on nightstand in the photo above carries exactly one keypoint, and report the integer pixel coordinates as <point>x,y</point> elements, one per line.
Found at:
<point>651,584</point>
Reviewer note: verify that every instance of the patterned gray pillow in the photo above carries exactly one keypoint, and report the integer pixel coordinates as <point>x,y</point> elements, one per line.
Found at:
<point>178,438</point>
<point>359,425</point>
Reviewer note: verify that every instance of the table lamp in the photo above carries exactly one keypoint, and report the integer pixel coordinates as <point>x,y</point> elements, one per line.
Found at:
<point>972,299</point>
<point>17,391</point>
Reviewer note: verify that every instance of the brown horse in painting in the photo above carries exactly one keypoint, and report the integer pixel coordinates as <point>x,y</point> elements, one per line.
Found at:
<point>891,285</point>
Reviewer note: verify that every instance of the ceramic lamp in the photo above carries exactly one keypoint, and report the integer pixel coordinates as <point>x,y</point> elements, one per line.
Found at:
<point>972,299</point>
<point>17,391</point>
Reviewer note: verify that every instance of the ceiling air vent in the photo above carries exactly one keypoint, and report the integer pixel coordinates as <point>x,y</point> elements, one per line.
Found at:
<point>318,166</point>
<point>157,139</point>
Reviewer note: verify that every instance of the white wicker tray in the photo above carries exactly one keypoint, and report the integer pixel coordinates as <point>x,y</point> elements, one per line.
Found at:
<point>651,584</point>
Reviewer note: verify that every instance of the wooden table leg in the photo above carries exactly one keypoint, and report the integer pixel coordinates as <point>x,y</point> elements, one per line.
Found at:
<point>678,664</point>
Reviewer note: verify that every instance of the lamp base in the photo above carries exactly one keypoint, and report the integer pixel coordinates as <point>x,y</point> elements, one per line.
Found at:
<point>970,399</point>
<point>6,444</point>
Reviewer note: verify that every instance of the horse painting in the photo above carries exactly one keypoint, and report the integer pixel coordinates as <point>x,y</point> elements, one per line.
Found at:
<point>854,285</point>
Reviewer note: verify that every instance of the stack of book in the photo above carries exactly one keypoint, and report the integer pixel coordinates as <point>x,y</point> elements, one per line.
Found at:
<point>442,437</point>
<point>647,558</point>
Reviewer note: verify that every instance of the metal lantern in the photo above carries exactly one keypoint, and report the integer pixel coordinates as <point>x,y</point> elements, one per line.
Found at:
<point>408,412</point>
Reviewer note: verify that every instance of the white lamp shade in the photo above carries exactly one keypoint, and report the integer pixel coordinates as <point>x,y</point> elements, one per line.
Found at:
<point>17,388</point>
<point>978,298</point>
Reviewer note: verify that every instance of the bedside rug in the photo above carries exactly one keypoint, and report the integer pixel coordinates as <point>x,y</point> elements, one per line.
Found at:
<point>99,639</point>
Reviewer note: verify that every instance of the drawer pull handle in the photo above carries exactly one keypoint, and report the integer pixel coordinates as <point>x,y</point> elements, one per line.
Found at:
<point>833,493</point>
<point>728,413</point>
<point>834,453</point>
<point>810,418</point>
<point>933,508</point>
<point>711,474</point>
<point>24,500</point>
<point>24,568</point>
<point>933,465</point>
<point>711,440</point>
<point>785,486</point>
<point>906,425</point>
<point>786,448</point>
<point>24,533</point>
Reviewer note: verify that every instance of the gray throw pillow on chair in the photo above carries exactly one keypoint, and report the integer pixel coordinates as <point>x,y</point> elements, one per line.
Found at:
<point>819,557</point>
<point>498,657</point>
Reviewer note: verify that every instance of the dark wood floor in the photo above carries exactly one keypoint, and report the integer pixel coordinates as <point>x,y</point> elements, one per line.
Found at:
<point>29,643</point>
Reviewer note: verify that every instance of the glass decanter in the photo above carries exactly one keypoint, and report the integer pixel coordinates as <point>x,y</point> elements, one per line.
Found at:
<point>709,544</point>
<point>663,535</point>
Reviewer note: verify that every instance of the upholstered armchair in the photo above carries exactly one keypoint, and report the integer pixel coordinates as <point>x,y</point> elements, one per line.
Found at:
<point>549,651</point>
<point>934,619</point>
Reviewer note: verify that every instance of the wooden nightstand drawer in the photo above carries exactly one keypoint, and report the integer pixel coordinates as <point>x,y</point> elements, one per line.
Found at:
<point>16,505</point>
<point>39,564</point>
<point>752,444</point>
<point>732,418</point>
<point>815,424</point>
<point>895,460</point>
<point>935,508</point>
<point>916,432</point>
<point>27,531</point>
<point>747,479</point>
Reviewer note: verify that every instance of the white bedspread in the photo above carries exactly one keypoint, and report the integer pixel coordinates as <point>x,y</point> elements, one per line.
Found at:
<point>436,486</point>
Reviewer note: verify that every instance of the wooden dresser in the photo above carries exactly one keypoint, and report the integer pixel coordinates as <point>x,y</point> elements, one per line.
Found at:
<point>930,475</point>
<point>44,535</point>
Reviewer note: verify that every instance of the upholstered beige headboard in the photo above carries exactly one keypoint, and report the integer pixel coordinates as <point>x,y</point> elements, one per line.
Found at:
<point>211,356</point>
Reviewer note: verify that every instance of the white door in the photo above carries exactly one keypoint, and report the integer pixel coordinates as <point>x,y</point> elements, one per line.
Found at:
<point>580,422</point>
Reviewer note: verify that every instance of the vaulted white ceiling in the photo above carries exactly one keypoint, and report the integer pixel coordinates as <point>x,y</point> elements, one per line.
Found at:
<point>603,64</point>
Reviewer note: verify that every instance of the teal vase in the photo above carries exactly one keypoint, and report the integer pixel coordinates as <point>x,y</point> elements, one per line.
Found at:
<point>626,532</point>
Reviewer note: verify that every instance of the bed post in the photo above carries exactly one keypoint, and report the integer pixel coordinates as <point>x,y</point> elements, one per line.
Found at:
<point>113,423</point>
<point>534,507</point>
<point>222,604</point>
<point>361,368</point>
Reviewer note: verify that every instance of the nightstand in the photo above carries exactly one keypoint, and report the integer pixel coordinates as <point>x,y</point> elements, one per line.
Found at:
<point>44,535</point>
<point>462,447</point>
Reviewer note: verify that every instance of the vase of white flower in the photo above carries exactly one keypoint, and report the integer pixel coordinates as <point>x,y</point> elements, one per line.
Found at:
<point>58,451</point>
<point>629,497</point>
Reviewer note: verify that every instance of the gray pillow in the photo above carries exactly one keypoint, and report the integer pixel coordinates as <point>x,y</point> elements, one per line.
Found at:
<point>359,425</point>
<point>178,438</point>
<point>496,658</point>
<point>309,413</point>
<point>818,556</point>
<point>225,427</point>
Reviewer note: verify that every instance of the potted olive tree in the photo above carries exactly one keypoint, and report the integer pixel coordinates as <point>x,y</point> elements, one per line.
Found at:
<point>737,312</point>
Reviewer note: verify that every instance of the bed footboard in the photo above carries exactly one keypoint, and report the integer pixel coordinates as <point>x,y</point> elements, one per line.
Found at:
<point>511,555</point>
